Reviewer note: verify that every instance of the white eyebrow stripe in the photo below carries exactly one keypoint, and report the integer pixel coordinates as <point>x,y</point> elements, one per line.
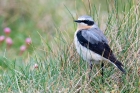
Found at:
<point>81,19</point>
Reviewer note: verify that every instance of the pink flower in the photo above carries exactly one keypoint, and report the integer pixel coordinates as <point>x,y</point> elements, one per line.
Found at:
<point>9,41</point>
<point>35,65</point>
<point>2,38</point>
<point>28,41</point>
<point>22,49</point>
<point>7,30</point>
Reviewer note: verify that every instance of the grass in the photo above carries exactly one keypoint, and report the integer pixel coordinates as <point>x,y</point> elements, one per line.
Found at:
<point>60,69</point>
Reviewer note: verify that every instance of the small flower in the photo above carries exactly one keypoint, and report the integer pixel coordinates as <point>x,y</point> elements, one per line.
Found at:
<point>9,41</point>
<point>35,65</point>
<point>7,30</point>
<point>22,49</point>
<point>28,41</point>
<point>2,38</point>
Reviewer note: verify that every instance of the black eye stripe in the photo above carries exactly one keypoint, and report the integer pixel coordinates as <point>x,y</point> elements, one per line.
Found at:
<point>87,22</point>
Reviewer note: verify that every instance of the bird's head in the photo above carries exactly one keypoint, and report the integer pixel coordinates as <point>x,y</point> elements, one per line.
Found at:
<point>84,22</point>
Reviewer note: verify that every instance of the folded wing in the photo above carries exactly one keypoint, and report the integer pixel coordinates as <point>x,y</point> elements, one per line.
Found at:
<point>97,43</point>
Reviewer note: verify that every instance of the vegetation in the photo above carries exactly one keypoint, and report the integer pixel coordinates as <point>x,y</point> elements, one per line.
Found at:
<point>50,63</point>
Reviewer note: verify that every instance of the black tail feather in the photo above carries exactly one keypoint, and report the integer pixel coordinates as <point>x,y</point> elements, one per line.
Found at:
<point>119,65</point>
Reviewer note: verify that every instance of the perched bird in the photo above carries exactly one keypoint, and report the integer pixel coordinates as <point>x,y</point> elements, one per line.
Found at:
<point>91,43</point>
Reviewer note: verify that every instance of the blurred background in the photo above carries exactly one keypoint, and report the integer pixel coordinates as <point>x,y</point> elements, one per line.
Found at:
<point>36,45</point>
<point>30,27</point>
<point>42,18</point>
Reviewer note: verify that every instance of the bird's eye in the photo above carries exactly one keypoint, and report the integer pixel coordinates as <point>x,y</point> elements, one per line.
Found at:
<point>88,22</point>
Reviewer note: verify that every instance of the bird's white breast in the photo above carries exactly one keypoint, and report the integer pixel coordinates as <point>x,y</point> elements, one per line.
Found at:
<point>85,53</point>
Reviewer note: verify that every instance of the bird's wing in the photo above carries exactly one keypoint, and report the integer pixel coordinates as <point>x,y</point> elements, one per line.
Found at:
<point>96,43</point>
<point>94,35</point>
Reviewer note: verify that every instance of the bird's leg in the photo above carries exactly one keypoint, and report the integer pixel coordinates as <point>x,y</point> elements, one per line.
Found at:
<point>91,65</point>
<point>102,73</point>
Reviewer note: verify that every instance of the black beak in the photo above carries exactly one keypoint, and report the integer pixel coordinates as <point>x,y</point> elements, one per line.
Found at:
<point>77,21</point>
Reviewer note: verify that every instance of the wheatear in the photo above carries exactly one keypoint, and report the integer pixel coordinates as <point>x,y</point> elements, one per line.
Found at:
<point>91,43</point>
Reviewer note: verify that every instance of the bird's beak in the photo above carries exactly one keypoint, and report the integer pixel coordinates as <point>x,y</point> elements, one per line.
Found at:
<point>77,21</point>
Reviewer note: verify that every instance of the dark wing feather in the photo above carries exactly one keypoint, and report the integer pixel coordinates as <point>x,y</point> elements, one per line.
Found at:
<point>99,47</point>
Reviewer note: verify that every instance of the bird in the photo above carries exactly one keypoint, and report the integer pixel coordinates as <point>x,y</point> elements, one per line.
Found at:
<point>92,45</point>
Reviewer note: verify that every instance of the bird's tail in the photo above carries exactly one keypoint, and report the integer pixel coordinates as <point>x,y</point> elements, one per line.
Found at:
<point>119,65</point>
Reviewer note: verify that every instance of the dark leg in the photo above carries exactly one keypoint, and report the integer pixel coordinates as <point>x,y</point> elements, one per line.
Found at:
<point>102,73</point>
<point>91,67</point>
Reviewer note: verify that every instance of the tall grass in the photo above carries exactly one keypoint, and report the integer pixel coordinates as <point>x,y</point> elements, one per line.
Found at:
<point>60,69</point>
